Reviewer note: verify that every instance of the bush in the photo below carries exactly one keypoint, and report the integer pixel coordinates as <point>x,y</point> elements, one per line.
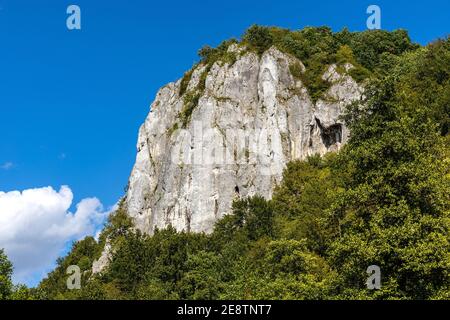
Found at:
<point>255,216</point>
<point>185,81</point>
<point>190,103</point>
<point>258,38</point>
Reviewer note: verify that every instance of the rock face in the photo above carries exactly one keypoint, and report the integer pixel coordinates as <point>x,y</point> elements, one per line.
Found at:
<point>252,117</point>
<point>103,261</point>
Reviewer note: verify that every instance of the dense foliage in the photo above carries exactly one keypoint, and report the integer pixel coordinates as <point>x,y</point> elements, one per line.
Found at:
<point>382,200</point>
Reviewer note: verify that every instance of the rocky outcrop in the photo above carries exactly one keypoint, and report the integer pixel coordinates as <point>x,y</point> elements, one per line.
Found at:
<point>103,260</point>
<point>252,117</point>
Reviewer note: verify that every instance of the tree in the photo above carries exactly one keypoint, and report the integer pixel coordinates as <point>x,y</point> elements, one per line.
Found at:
<point>255,216</point>
<point>6,270</point>
<point>307,190</point>
<point>203,280</point>
<point>368,46</point>
<point>259,38</point>
<point>22,292</point>
<point>130,262</point>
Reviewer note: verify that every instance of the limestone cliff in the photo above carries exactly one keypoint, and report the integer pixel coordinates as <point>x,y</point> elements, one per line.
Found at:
<point>196,153</point>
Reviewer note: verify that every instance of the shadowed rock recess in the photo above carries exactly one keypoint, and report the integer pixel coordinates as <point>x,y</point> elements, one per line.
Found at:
<point>230,134</point>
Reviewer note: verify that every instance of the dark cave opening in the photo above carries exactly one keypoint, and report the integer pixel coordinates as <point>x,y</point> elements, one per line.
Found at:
<point>330,135</point>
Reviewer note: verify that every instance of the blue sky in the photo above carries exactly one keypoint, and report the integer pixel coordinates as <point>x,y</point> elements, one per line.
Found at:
<point>71,102</point>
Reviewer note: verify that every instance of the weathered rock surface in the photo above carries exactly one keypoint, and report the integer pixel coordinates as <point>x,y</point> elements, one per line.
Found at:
<point>103,261</point>
<point>251,119</point>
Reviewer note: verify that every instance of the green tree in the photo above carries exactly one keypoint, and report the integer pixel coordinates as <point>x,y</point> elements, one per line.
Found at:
<point>255,216</point>
<point>6,270</point>
<point>21,292</point>
<point>258,38</point>
<point>307,190</point>
<point>130,262</point>
<point>203,280</point>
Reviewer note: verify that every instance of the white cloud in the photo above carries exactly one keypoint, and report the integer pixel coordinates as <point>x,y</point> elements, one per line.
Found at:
<point>36,225</point>
<point>7,166</point>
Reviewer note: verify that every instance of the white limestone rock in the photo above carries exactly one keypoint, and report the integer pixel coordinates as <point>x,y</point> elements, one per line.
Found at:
<point>252,119</point>
<point>103,261</point>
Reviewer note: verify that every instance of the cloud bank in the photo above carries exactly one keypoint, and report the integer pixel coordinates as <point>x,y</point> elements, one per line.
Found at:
<point>36,226</point>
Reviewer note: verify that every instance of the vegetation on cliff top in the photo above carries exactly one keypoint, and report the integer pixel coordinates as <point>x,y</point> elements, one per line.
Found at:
<point>316,47</point>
